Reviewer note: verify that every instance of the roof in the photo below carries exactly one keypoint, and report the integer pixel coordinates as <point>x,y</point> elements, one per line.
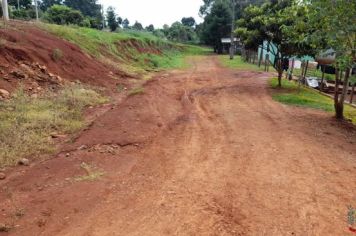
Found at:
<point>228,40</point>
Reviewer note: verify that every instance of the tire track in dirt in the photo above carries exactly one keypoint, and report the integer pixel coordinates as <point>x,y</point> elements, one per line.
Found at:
<point>216,156</point>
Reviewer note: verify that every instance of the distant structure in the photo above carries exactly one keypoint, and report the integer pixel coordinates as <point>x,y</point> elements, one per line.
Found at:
<point>226,42</point>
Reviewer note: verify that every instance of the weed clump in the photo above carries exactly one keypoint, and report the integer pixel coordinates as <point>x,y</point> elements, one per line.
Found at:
<point>92,173</point>
<point>57,54</point>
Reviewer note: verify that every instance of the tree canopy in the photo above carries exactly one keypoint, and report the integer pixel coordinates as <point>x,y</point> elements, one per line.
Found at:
<point>188,21</point>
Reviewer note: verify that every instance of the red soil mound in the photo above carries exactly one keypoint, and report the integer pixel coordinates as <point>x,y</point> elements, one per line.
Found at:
<point>35,58</point>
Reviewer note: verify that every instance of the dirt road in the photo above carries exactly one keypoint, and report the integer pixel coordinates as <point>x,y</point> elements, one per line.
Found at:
<point>204,151</point>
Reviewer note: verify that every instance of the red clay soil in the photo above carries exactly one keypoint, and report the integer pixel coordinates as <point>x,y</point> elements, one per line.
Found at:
<point>24,47</point>
<point>204,151</point>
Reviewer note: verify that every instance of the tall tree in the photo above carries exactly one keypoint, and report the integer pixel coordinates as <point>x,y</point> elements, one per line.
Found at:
<point>150,28</point>
<point>137,26</point>
<point>217,25</point>
<point>22,3</point>
<point>126,23</point>
<point>45,4</point>
<point>87,7</point>
<point>188,21</point>
<point>111,18</point>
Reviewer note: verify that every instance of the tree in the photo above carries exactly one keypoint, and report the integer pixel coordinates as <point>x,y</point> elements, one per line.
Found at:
<point>119,20</point>
<point>21,3</point>
<point>137,26</point>
<point>111,18</point>
<point>217,25</point>
<point>334,23</point>
<point>87,7</point>
<point>150,28</point>
<point>45,4</point>
<point>61,15</point>
<point>188,21</point>
<point>275,22</point>
<point>126,24</point>
<point>180,33</point>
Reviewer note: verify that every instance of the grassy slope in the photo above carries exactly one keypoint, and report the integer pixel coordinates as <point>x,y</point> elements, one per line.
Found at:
<point>137,51</point>
<point>306,97</point>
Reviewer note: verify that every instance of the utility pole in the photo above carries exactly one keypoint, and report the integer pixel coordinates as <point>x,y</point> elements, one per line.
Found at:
<point>232,45</point>
<point>18,4</point>
<point>5,10</point>
<point>103,16</point>
<point>36,6</point>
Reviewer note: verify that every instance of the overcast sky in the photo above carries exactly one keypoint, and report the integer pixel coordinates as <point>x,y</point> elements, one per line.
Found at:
<point>156,12</point>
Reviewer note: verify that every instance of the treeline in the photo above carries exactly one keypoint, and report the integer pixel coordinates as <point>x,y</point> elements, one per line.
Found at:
<point>86,13</point>
<point>218,18</point>
<point>184,31</point>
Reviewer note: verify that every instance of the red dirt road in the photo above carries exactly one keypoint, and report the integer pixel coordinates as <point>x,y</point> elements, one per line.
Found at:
<point>204,151</point>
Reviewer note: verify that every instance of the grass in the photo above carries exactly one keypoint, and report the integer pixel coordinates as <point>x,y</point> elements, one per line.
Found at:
<point>92,173</point>
<point>136,91</point>
<point>238,63</point>
<point>305,97</point>
<point>26,123</point>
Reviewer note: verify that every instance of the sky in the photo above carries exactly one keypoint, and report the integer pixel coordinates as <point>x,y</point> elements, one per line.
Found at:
<point>156,12</point>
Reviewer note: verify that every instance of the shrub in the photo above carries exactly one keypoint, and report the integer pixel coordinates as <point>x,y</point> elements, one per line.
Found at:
<point>63,15</point>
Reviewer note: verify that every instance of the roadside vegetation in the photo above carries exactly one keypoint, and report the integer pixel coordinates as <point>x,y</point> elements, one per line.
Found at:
<point>292,94</point>
<point>238,63</point>
<point>27,124</point>
<point>137,51</point>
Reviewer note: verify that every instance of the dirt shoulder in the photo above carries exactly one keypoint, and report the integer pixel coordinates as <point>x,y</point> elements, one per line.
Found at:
<point>205,151</point>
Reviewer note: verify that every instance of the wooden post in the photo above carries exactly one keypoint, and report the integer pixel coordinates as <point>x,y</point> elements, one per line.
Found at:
<point>292,70</point>
<point>305,72</point>
<point>322,78</point>
<point>5,10</point>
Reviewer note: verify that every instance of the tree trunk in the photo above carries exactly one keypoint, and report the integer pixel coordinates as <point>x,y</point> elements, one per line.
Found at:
<point>339,110</point>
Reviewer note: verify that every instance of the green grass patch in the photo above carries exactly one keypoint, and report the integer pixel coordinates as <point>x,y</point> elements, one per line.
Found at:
<point>291,94</point>
<point>238,63</point>
<point>26,123</point>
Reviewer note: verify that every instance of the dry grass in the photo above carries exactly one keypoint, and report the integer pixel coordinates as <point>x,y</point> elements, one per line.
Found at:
<point>92,173</point>
<point>26,123</point>
<point>136,91</point>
